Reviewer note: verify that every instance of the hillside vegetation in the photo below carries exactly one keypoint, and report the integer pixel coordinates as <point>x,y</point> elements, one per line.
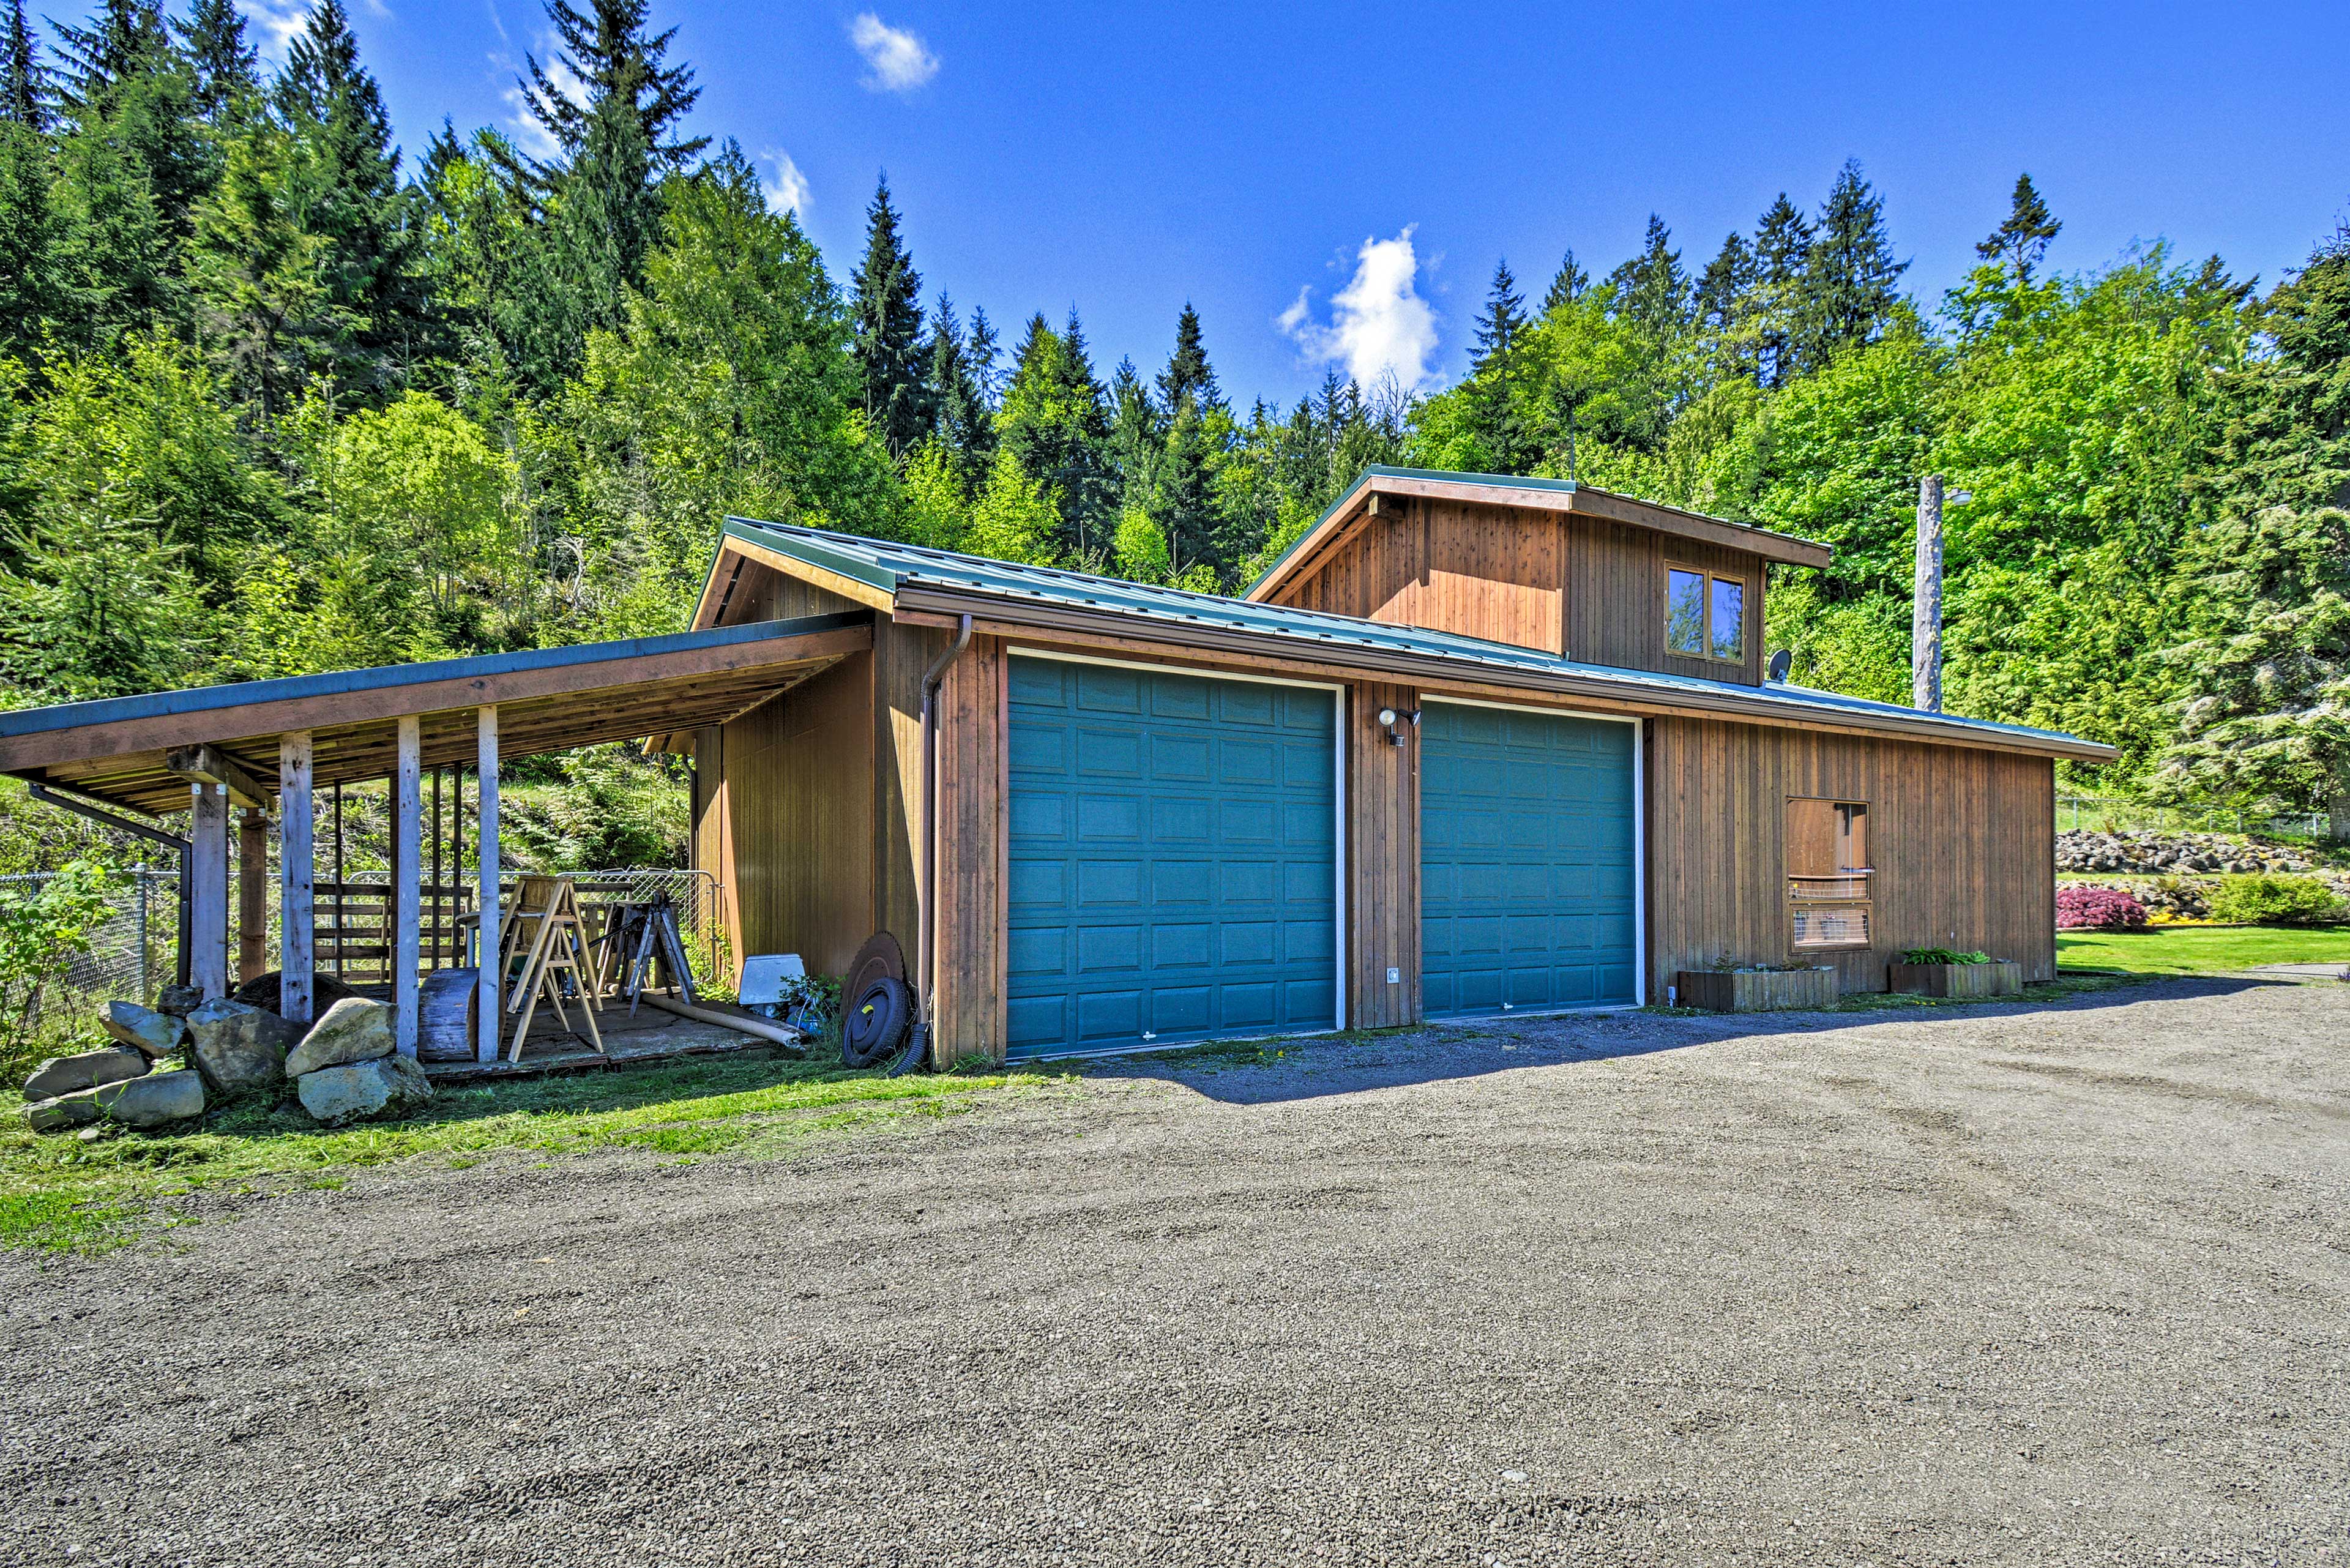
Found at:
<point>275,399</point>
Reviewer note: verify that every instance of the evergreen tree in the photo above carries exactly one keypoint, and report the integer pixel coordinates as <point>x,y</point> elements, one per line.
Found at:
<point>343,175</point>
<point>1055,426</point>
<point>965,425</point>
<point>127,40</point>
<point>1188,375</point>
<point>886,311</point>
<point>1499,367</point>
<point>609,52</point>
<point>1725,307</point>
<point>1782,248</point>
<point>1848,291</point>
<point>2017,243</point>
<point>34,299</point>
<point>1136,434</point>
<point>2264,716</point>
<point>1651,290</point>
<point>1182,502</point>
<point>1567,286</point>
<point>23,88</point>
<point>225,66</point>
<point>984,352</point>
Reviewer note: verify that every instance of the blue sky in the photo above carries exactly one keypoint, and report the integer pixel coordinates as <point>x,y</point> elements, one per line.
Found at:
<point>1372,161</point>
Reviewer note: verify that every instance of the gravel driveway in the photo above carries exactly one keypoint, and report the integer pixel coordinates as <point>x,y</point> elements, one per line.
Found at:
<point>2054,1286</point>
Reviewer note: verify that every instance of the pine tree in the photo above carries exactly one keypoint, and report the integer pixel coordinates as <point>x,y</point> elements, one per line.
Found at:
<point>1652,291</point>
<point>964,426</point>
<point>886,308</point>
<point>1725,307</point>
<point>1782,248</point>
<point>1188,374</point>
<point>1137,432</point>
<point>1848,292</point>
<point>1054,426</point>
<point>986,353</point>
<point>1567,286</point>
<point>225,66</point>
<point>344,180</point>
<point>2017,243</point>
<point>1498,368</point>
<point>24,84</point>
<point>1182,486</point>
<point>608,50</point>
<point>128,39</point>
<point>34,298</point>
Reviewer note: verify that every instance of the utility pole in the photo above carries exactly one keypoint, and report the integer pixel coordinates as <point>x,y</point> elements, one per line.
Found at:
<point>1926,607</point>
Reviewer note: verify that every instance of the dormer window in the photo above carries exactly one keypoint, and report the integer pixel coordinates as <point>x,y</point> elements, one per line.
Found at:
<point>1705,614</point>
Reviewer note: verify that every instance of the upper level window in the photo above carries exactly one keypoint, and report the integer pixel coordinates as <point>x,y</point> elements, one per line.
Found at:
<point>1705,614</point>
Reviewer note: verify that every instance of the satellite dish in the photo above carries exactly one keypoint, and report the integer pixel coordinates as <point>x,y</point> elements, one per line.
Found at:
<point>1780,663</point>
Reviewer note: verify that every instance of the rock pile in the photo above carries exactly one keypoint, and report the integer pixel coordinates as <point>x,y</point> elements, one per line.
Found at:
<point>342,1067</point>
<point>2153,854</point>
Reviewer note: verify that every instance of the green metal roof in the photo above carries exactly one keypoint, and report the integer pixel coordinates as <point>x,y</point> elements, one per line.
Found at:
<point>892,567</point>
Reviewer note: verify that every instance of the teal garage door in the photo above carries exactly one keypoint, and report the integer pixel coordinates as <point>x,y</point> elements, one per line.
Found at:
<point>1527,862</point>
<point>1173,858</point>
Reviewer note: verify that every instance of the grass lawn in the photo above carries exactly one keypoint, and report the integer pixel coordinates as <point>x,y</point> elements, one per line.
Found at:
<point>2201,950</point>
<point>61,1194</point>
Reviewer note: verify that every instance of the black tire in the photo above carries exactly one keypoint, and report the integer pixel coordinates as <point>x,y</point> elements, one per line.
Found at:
<point>874,1025</point>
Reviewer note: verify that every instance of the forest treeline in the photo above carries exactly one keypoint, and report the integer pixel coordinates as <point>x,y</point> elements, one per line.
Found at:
<point>275,399</point>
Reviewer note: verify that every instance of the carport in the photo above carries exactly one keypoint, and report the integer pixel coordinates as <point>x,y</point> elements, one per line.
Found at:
<point>234,756</point>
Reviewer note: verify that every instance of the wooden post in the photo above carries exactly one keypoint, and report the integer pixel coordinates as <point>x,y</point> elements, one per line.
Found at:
<point>407,869</point>
<point>491,995</point>
<point>1926,607</point>
<point>295,837</point>
<point>252,894</point>
<point>208,889</point>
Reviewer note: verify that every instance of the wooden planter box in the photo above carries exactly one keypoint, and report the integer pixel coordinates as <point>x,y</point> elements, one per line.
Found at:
<point>2001,977</point>
<point>1756,990</point>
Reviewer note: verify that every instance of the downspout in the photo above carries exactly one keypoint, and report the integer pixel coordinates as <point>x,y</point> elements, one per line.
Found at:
<point>49,796</point>
<point>926,884</point>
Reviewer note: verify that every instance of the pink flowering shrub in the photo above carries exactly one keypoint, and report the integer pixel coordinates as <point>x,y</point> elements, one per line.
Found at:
<point>2093,909</point>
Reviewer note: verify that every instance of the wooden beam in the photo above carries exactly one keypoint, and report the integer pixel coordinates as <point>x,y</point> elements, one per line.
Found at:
<point>492,994</point>
<point>214,766</point>
<point>252,894</point>
<point>383,703</point>
<point>297,929</point>
<point>407,869</point>
<point>208,889</point>
<point>846,588</point>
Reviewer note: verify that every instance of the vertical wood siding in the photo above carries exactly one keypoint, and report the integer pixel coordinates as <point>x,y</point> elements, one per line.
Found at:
<point>972,760</point>
<point>794,820</point>
<point>1590,588</point>
<point>1382,853</point>
<point>1964,842</point>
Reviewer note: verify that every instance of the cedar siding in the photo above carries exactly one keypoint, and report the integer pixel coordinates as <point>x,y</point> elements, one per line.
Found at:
<point>1586,588</point>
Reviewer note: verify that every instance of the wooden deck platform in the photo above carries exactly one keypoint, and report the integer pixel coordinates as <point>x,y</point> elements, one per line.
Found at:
<point>653,1035</point>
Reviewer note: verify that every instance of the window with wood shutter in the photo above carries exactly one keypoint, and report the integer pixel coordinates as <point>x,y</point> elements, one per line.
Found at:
<point>1830,882</point>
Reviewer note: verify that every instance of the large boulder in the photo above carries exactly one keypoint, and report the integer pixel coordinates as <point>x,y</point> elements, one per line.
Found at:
<point>84,1070</point>
<point>154,1034</point>
<point>77,1109</point>
<point>240,1050</point>
<point>353,1030</point>
<point>154,1100</point>
<point>364,1091</point>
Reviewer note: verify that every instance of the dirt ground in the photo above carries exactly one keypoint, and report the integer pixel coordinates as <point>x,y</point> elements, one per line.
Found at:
<point>2004,1285</point>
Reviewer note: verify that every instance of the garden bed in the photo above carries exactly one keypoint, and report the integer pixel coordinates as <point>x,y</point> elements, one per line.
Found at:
<point>2001,977</point>
<point>1756,990</point>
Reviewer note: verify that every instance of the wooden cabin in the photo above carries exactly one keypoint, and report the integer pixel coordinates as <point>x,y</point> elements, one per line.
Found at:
<point>1474,745</point>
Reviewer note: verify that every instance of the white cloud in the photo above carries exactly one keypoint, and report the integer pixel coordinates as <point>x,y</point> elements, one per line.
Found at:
<point>788,190</point>
<point>1379,326</point>
<point>896,59</point>
<point>277,22</point>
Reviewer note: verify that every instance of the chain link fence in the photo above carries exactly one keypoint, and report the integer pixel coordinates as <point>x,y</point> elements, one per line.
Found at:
<point>134,950</point>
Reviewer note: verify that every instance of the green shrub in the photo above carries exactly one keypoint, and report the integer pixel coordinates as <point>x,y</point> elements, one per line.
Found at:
<point>2273,900</point>
<point>1943,955</point>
